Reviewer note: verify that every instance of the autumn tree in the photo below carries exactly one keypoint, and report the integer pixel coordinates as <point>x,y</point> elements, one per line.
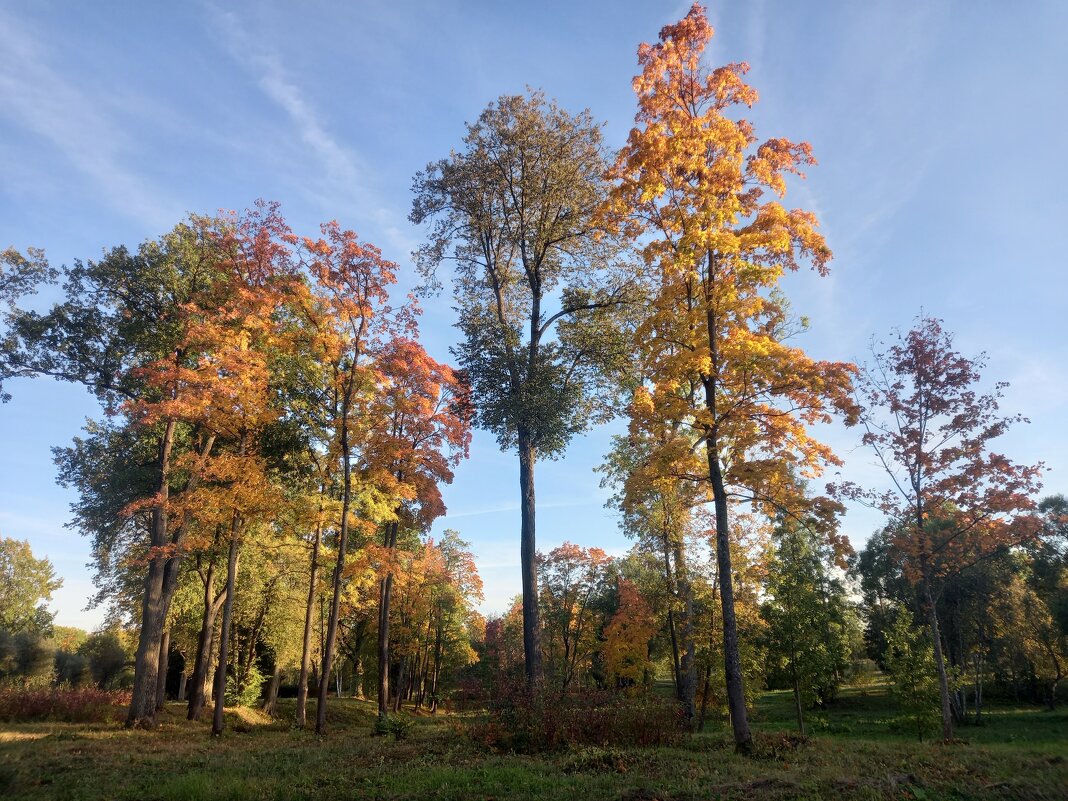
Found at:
<point>218,386</point>
<point>717,368</point>
<point>658,511</point>
<point>627,637</point>
<point>574,580</point>
<point>349,316</point>
<point>422,429</point>
<point>517,211</point>
<point>121,318</point>
<point>953,501</point>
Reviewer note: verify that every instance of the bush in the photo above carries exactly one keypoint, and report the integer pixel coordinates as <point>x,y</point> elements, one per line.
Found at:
<point>63,703</point>
<point>106,658</point>
<point>72,669</point>
<point>522,721</point>
<point>248,692</point>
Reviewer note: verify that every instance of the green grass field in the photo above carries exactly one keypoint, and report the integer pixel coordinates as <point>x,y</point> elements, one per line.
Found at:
<point>853,753</point>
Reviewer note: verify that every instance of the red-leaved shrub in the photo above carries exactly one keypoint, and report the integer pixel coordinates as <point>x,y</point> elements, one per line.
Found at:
<point>524,721</point>
<point>71,704</point>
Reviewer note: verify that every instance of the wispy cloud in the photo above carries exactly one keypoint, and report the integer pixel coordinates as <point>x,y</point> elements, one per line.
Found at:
<point>338,164</point>
<point>34,96</point>
<point>340,179</point>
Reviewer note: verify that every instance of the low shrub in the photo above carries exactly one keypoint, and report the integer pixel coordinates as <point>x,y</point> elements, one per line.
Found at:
<point>528,722</point>
<point>64,703</point>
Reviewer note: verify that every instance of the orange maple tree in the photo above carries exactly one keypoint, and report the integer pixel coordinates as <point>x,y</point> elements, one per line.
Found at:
<point>421,429</point>
<point>215,386</point>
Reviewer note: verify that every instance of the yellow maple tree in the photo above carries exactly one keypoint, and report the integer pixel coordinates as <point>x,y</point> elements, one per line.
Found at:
<point>718,373</point>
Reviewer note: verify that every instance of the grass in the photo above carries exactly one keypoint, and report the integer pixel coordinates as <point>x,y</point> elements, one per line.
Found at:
<point>1021,754</point>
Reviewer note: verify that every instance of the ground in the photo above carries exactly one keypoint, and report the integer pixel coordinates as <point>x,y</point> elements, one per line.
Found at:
<point>854,752</point>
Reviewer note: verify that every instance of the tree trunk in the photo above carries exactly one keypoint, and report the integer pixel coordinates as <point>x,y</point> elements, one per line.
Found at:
<point>357,678</point>
<point>402,677</point>
<point>339,574</point>
<point>183,680</point>
<point>270,701</point>
<point>676,668</point>
<point>164,665</point>
<point>531,624</point>
<point>433,706</point>
<point>940,662</point>
<point>687,687</point>
<point>705,691</point>
<point>217,723</point>
<point>309,624</point>
<point>385,592</point>
<point>205,645</point>
<point>142,710</point>
<point>732,663</point>
<point>797,697</point>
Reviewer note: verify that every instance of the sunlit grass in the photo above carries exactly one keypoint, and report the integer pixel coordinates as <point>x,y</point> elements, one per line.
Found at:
<point>1020,754</point>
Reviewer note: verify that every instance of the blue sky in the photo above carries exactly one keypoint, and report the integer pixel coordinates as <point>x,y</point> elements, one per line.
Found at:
<point>939,128</point>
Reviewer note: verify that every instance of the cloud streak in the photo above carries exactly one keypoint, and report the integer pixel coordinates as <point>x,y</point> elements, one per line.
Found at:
<point>35,97</point>
<point>341,179</point>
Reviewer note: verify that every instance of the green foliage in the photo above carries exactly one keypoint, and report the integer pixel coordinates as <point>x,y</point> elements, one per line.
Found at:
<point>910,663</point>
<point>519,235</point>
<point>106,657</point>
<point>807,616</point>
<point>25,583</point>
<point>20,275</point>
<point>26,658</point>
<point>71,669</point>
<point>246,692</point>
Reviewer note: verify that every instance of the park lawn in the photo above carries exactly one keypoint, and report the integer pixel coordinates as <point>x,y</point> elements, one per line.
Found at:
<point>852,754</point>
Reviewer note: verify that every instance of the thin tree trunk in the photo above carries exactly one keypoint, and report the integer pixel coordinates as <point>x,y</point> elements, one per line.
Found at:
<point>687,665</point>
<point>309,625</point>
<point>205,645</point>
<point>940,662</point>
<point>183,680</point>
<point>357,677</point>
<point>437,669</point>
<point>164,665</point>
<point>705,690</point>
<point>743,738</point>
<point>217,722</point>
<point>732,663</point>
<point>797,698</point>
<point>339,573</point>
<point>676,673</point>
<point>676,668</point>
<point>401,678</point>
<point>385,593</point>
<point>531,624</point>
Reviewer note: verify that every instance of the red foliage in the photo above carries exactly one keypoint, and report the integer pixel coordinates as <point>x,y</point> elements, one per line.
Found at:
<point>70,704</point>
<point>529,722</point>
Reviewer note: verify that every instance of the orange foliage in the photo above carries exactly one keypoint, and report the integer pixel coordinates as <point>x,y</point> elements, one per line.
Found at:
<point>627,636</point>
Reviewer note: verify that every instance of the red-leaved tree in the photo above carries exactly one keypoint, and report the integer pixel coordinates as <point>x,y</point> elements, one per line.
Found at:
<point>953,501</point>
